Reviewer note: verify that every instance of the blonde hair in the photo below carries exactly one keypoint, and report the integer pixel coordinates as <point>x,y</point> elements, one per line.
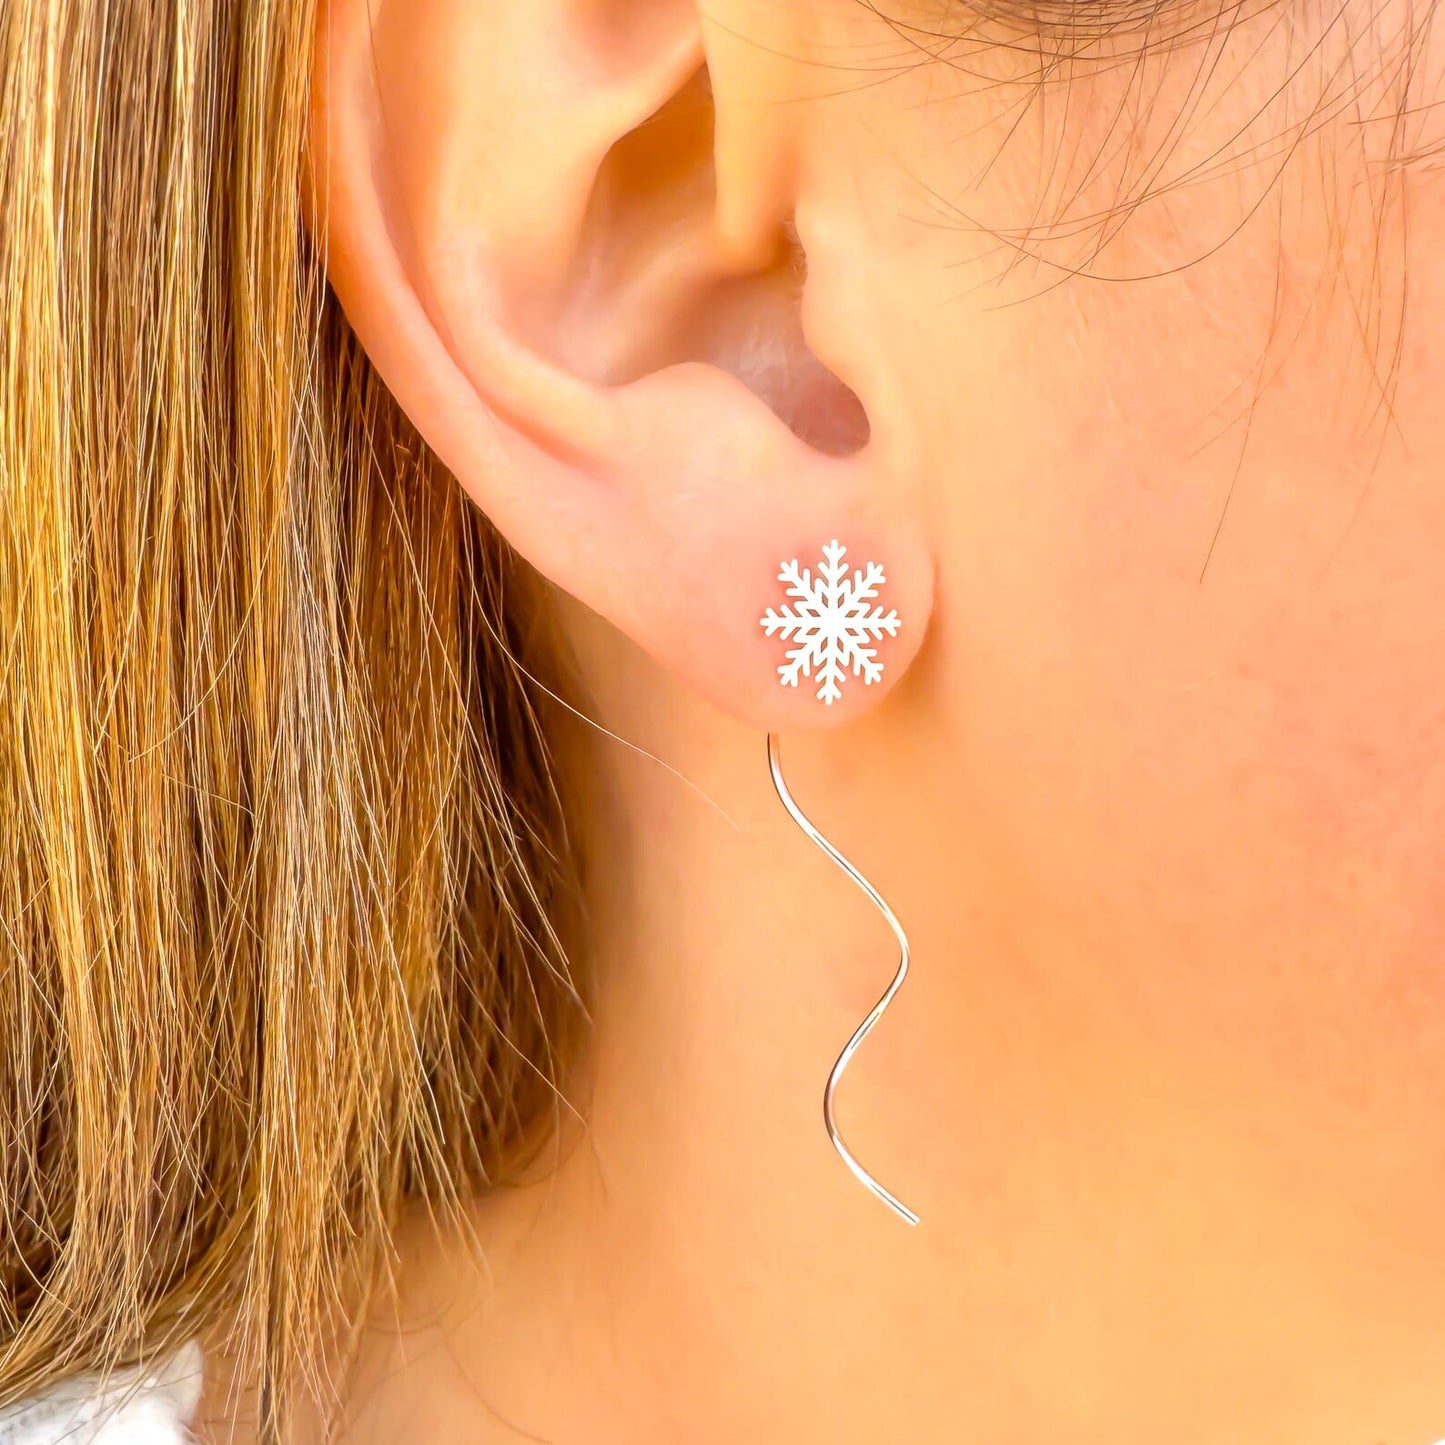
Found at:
<point>283,868</point>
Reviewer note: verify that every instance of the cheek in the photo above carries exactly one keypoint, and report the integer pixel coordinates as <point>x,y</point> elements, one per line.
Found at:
<point>1181,725</point>
<point>1191,625</point>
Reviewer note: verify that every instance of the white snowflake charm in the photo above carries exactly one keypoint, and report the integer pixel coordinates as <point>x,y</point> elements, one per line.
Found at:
<point>830,623</point>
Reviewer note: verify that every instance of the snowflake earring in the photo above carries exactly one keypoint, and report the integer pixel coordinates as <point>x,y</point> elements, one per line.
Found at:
<point>830,624</point>
<point>833,622</point>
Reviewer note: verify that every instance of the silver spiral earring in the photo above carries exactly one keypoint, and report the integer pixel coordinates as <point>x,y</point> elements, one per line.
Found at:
<point>833,621</point>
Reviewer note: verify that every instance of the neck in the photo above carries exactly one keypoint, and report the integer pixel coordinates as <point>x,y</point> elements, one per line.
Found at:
<point>701,1214</point>
<point>697,1264</point>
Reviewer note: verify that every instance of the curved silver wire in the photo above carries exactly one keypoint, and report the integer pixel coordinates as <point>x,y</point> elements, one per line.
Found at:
<point>876,1012</point>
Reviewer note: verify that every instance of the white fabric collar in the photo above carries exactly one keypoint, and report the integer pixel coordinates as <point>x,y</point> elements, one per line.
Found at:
<point>127,1408</point>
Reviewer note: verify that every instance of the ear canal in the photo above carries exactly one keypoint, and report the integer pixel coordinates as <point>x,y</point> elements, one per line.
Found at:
<point>652,285</point>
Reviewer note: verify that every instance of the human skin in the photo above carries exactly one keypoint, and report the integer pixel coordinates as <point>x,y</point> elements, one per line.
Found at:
<point>1155,779</point>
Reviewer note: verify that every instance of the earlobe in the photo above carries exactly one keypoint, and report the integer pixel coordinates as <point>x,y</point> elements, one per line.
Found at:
<point>524,222</point>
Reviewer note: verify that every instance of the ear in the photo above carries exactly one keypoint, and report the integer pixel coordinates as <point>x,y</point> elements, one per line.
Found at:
<point>562,230</point>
